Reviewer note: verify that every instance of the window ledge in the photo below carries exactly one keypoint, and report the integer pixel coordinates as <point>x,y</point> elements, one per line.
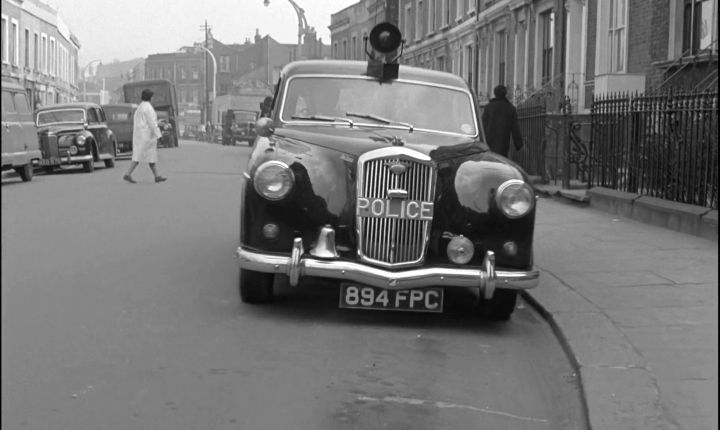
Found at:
<point>688,59</point>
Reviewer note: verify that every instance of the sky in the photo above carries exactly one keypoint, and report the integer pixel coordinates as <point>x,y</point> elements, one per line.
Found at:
<point>122,30</point>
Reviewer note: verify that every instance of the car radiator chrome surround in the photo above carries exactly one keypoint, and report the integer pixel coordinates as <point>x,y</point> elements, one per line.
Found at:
<point>396,193</point>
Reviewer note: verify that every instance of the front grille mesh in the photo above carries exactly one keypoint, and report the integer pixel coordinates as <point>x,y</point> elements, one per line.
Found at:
<point>394,241</point>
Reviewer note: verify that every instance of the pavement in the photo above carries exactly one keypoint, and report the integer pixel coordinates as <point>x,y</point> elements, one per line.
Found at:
<point>636,309</point>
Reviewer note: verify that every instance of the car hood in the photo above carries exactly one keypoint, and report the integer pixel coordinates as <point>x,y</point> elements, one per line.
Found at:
<point>358,140</point>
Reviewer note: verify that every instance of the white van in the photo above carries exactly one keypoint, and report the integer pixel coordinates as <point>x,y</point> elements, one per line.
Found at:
<point>20,143</point>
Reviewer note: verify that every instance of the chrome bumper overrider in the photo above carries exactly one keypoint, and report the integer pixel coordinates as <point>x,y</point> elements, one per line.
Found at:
<point>298,264</point>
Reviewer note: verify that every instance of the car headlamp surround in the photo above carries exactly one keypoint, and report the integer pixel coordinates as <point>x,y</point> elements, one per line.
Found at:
<point>273,180</point>
<point>515,198</point>
<point>80,139</point>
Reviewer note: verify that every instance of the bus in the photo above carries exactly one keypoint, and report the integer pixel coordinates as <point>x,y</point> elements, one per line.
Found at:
<point>163,100</point>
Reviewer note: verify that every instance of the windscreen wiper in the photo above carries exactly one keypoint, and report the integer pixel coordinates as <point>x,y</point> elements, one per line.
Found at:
<point>324,118</point>
<point>380,119</point>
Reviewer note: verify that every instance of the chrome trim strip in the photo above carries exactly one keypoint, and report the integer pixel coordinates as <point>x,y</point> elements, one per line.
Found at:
<point>449,277</point>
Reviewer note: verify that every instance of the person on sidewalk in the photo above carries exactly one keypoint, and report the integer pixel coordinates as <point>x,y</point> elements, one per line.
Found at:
<point>145,135</point>
<point>500,122</point>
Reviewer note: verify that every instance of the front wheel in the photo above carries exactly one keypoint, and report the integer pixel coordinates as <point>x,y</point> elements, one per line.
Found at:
<point>89,166</point>
<point>256,287</point>
<point>25,171</point>
<point>500,307</point>
<point>110,162</point>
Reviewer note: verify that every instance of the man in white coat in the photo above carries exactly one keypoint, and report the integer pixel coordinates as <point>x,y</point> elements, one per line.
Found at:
<point>145,135</point>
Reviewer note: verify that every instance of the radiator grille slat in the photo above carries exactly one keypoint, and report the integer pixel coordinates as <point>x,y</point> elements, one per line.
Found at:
<point>395,241</point>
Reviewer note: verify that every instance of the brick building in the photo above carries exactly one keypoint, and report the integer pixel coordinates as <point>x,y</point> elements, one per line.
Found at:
<point>39,52</point>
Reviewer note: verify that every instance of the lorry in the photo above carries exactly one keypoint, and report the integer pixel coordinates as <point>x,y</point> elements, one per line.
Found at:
<point>164,100</point>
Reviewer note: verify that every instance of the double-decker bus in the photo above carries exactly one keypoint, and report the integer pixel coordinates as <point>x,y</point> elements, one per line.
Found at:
<point>163,100</point>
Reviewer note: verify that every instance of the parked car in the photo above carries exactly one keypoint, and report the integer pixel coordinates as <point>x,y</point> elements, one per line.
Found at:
<point>20,145</point>
<point>120,120</point>
<point>238,125</point>
<point>78,132</point>
<point>377,176</point>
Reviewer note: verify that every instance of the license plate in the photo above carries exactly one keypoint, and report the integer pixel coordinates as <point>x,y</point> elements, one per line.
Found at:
<point>366,297</point>
<point>48,162</point>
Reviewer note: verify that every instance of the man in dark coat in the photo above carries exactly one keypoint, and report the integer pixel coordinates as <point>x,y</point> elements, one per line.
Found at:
<point>500,122</point>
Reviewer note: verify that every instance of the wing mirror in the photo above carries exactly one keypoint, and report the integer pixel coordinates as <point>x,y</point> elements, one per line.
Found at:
<point>264,127</point>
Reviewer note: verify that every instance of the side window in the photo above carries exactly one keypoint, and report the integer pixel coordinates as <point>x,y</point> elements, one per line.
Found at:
<point>92,116</point>
<point>101,115</point>
<point>21,103</point>
<point>7,102</point>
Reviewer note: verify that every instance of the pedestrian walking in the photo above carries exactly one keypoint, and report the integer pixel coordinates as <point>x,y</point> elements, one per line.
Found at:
<point>500,122</point>
<point>145,136</point>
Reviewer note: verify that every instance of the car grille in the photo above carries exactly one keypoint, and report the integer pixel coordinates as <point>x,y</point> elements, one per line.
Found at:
<point>389,241</point>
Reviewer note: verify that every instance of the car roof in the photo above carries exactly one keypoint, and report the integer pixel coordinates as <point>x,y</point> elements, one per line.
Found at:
<point>78,105</point>
<point>348,67</point>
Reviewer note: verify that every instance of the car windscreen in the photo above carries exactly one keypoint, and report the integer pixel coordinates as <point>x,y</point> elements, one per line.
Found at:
<point>119,114</point>
<point>422,105</point>
<point>245,116</point>
<point>61,116</point>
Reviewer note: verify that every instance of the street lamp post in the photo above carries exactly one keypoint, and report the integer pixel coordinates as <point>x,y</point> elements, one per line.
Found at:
<point>85,77</point>
<point>214,93</point>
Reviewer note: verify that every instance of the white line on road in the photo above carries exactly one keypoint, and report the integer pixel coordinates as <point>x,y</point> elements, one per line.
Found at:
<point>445,405</point>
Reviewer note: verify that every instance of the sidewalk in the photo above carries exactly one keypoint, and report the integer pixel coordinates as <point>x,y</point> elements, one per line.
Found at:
<point>636,305</point>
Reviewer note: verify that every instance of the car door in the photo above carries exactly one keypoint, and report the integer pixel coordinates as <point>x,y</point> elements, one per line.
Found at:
<point>105,132</point>
<point>27,130</point>
<point>95,127</point>
<point>8,113</point>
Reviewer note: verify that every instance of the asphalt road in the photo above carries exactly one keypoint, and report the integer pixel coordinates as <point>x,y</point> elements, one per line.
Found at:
<point>120,310</point>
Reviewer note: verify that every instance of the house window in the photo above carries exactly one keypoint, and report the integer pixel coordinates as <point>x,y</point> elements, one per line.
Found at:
<point>698,25</point>
<point>469,63</point>
<point>5,41</point>
<point>27,48</point>
<point>15,45</point>
<point>461,5</point>
<point>407,19</point>
<point>440,62</point>
<point>51,54</point>
<point>431,16</point>
<point>547,40</point>
<point>445,13</point>
<point>43,54</point>
<point>36,52</point>
<point>616,35</point>
<point>353,55</point>
<point>418,20</point>
<point>345,50</point>
<point>501,56</point>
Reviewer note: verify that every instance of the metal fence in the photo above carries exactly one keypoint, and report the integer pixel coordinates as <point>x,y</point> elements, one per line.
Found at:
<point>532,119</point>
<point>662,145</point>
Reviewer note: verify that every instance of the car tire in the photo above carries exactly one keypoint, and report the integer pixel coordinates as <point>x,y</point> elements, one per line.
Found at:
<point>25,171</point>
<point>256,287</point>
<point>110,162</point>
<point>89,166</point>
<point>500,307</point>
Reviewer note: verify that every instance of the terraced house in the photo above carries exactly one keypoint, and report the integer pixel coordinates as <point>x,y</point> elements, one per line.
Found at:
<point>39,52</point>
<point>560,48</point>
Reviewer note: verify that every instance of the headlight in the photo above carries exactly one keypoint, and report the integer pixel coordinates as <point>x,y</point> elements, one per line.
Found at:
<point>273,180</point>
<point>80,140</point>
<point>515,198</point>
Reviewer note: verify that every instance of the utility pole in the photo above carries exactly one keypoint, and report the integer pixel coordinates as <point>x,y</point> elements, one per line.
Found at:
<point>206,97</point>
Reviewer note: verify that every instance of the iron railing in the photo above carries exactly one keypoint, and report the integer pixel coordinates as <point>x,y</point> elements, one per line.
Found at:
<point>661,145</point>
<point>532,119</point>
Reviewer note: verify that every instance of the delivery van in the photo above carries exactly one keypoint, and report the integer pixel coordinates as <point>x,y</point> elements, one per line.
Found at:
<point>20,143</point>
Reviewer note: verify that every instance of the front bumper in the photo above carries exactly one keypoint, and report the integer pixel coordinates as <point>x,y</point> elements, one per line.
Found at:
<point>298,264</point>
